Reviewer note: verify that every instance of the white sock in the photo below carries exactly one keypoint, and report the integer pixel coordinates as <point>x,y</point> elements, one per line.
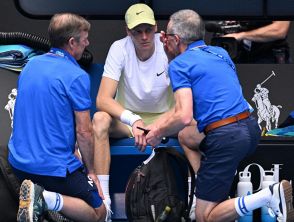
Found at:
<point>53,200</point>
<point>104,183</point>
<point>251,202</point>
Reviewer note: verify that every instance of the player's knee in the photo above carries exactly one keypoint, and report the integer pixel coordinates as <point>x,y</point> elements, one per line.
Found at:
<point>185,140</point>
<point>100,213</point>
<point>190,140</point>
<point>182,137</point>
<point>202,217</point>
<point>101,121</point>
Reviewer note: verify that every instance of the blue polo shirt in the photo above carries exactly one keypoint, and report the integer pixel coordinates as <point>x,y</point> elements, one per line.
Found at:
<point>211,75</point>
<point>50,88</point>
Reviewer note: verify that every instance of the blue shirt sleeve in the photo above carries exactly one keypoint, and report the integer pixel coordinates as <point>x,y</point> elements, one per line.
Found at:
<point>179,75</point>
<point>79,93</point>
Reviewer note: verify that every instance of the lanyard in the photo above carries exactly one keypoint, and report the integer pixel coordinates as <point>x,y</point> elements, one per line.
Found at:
<point>205,49</point>
<point>63,54</point>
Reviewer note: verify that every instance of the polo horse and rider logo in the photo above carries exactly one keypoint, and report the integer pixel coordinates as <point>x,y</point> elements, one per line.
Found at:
<point>266,112</point>
<point>10,104</point>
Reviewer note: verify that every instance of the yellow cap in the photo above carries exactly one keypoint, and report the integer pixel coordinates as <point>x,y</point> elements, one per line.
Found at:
<point>139,14</point>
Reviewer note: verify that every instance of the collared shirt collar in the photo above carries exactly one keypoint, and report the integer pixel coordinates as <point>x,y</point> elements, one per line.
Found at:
<point>63,53</point>
<point>199,43</point>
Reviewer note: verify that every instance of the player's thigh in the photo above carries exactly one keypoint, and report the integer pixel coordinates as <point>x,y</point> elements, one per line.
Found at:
<point>119,129</point>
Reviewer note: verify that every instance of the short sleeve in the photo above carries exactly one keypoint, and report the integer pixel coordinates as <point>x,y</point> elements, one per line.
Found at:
<point>79,93</point>
<point>114,62</point>
<point>179,75</point>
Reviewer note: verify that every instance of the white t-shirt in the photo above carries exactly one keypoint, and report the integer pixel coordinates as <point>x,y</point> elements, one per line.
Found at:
<point>143,86</point>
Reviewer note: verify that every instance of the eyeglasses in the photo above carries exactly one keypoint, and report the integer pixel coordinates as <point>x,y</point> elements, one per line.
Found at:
<point>166,35</point>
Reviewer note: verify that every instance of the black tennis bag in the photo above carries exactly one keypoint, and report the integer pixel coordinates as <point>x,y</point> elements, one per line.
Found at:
<point>160,181</point>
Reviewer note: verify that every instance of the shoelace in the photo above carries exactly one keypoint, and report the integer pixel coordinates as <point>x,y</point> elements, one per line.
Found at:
<point>108,210</point>
<point>272,214</point>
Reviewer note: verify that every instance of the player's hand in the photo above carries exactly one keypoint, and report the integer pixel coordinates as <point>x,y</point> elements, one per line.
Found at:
<point>152,137</point>
<point>140,137</point>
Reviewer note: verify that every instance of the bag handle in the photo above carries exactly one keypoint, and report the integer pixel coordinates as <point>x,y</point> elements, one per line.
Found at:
<point>173,152</point>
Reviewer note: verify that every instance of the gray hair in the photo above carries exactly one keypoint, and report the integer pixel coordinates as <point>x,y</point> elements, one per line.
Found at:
<point>188,25</point>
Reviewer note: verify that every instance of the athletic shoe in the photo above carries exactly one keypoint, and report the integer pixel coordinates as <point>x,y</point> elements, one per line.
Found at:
<point>108,211</point>
<point>281,201</point>
<point>31,202</point>
<point>56,217</point>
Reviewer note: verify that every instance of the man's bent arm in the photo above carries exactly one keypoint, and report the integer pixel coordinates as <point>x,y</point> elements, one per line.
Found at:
<point>180,116</point>
<point>276,30</point>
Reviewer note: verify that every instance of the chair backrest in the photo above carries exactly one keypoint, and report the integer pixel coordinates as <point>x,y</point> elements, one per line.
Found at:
<point>95,71</point>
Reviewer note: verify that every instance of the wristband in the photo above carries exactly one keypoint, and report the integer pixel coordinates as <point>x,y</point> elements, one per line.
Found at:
<point>127,117</point>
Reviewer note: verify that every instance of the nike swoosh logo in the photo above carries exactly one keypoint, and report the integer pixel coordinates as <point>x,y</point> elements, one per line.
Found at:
<point>159,74</point>
<point>138,13</point>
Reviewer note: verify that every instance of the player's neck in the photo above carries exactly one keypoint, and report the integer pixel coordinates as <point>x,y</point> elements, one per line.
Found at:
<point>144,55</point>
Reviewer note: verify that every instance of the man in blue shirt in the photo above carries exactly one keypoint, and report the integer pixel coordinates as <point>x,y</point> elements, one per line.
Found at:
<point>206,87</point>
<point>51,114</point>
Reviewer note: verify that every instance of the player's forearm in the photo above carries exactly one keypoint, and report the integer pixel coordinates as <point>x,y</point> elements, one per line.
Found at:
<point>111,106</point>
